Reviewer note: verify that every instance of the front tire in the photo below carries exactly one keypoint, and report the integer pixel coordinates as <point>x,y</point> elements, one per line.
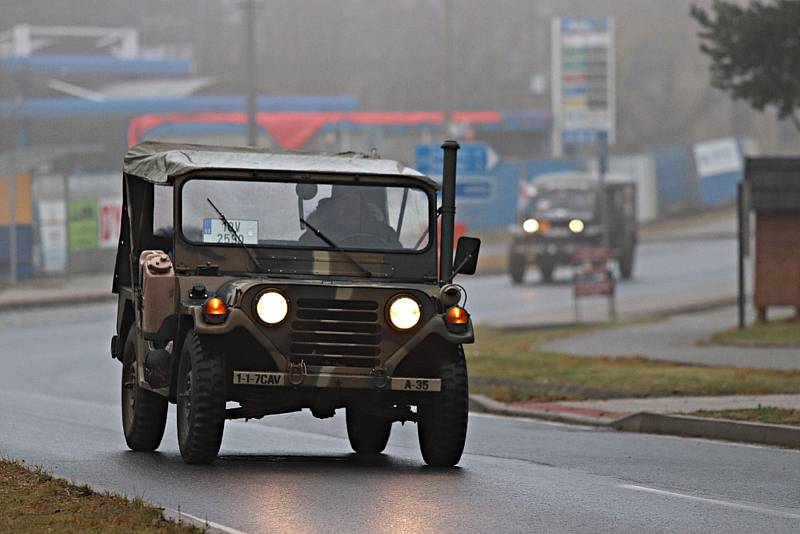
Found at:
<point>546,269</point>
<point>201,401</point>
<point>516,268</point>
<point>368,434</point>
<point>626,263</point>
<point>442,425</point>
<point>144,413</point>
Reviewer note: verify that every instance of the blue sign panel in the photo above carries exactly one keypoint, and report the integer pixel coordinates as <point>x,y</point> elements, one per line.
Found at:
<point>473,158</point>
<point>475,190</point>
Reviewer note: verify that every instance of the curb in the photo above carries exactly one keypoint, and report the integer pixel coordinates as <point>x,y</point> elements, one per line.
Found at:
<point>182,518</point>
<point>702,427</point>
<point>654,423</point>
<point>483,404</point>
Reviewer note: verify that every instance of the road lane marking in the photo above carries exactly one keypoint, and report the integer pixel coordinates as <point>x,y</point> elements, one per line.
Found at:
<point>729,504</point>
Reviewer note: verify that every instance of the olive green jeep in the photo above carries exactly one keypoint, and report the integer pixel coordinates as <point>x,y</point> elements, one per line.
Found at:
<point>254,282</point>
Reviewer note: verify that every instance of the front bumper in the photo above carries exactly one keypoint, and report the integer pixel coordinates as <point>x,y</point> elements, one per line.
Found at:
<point>337,381</point>
<point>533,247</point>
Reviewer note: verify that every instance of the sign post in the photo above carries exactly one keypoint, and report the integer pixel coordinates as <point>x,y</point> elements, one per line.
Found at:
<point>602,169</point>
<point>743,219</point>
<point>592,278</point>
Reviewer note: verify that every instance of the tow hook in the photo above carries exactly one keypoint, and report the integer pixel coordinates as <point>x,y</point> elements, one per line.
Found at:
<point>296,373</point>
<point>379,378</point>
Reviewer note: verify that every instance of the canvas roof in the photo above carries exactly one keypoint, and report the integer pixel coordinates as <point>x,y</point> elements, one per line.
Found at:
<point>158,162</point>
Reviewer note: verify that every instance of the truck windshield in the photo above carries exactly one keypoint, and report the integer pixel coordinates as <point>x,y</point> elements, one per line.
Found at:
<point>268,214</point>
<point>567,199</point>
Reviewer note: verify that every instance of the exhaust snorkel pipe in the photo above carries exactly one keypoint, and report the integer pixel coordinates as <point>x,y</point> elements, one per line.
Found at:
<point>450,149</point>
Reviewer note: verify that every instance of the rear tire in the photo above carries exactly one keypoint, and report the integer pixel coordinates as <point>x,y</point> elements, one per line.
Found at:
<point>516,268</point>
<point>201,401</point>
<point>442,425</point>
<point>546,270</point>
<point>144,413</point>
<point>626,264</point>
<point>368,434</point>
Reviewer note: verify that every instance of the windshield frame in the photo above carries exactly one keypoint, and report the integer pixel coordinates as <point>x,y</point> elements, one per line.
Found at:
<point>230,175</point>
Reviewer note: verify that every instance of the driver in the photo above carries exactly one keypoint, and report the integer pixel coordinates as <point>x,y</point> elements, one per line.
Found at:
<point>353,217</point>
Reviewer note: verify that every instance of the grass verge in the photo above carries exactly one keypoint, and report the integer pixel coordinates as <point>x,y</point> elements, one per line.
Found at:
<point>508,365</point>
<point>762,414</point>
<point>783,333</point>
<point>32,501</point>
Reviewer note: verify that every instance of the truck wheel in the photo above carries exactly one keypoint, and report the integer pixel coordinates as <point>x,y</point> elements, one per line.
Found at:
<point>626,264</point>
<point>144,413</point>
<point>368,434</point>
<point>442,425</point>
<point>516,268</point>
<point>546,270</point>
<point>201,401</point>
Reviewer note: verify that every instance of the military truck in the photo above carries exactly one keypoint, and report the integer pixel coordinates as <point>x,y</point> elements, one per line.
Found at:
<point>253,282</point>
<point>562,213</point>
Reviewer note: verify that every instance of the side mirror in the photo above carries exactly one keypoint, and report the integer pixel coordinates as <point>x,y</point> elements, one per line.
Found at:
<point>466,261</point>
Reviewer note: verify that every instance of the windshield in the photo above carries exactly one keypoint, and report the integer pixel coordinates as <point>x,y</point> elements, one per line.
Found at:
<point>565,199</point>
<point>268,214</point>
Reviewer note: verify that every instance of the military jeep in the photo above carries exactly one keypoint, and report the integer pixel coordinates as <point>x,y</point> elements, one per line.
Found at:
<point>254,282</point>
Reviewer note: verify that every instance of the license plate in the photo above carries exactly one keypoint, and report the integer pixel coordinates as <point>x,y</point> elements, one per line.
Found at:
<point>257,378</point>
<point>416,384</point>
<point>216,231</point>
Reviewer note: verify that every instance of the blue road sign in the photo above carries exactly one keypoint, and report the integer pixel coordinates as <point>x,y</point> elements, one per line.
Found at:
<point>474,190</point>
<point>473,158</point>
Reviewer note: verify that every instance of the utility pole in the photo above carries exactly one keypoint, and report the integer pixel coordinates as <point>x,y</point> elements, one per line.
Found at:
<point>249,8</point>
<point>12,214</point>
<point>12,204</point>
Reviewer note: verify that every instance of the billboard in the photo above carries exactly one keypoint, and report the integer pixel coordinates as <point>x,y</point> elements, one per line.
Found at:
<point>582,70</point>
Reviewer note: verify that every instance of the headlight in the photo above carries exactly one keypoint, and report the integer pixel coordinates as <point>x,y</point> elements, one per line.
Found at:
<point>272,307</point>
<point>576,226</point>
<point>530,225</point>
<point>404,312</point>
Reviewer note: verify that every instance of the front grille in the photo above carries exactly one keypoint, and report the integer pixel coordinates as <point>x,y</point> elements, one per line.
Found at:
<point>336,332</point>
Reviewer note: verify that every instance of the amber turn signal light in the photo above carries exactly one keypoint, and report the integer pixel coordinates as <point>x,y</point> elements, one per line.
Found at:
<point>457,316</point>
<point>215,310</point>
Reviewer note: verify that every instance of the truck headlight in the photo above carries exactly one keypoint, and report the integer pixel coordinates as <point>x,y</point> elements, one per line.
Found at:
<point>272,307</point>
<point>404,312</point>
<point>576,226</point>
<point>531,226</point>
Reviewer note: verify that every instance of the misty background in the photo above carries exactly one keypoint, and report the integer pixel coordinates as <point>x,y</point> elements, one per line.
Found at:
<point>390,55</point>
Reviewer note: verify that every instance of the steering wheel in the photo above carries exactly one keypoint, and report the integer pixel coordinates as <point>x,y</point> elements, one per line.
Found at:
<point>361,235</point>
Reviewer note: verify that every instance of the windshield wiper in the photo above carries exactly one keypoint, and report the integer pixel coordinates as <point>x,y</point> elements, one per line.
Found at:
<point>336,247</point>
<point>232,230</point>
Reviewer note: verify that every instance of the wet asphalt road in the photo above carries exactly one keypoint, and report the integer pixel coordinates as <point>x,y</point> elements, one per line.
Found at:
<point>59,408</point>
<point>668,275</point>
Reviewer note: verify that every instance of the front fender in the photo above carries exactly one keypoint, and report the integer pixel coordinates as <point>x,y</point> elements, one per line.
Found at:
<point>436,326</point>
